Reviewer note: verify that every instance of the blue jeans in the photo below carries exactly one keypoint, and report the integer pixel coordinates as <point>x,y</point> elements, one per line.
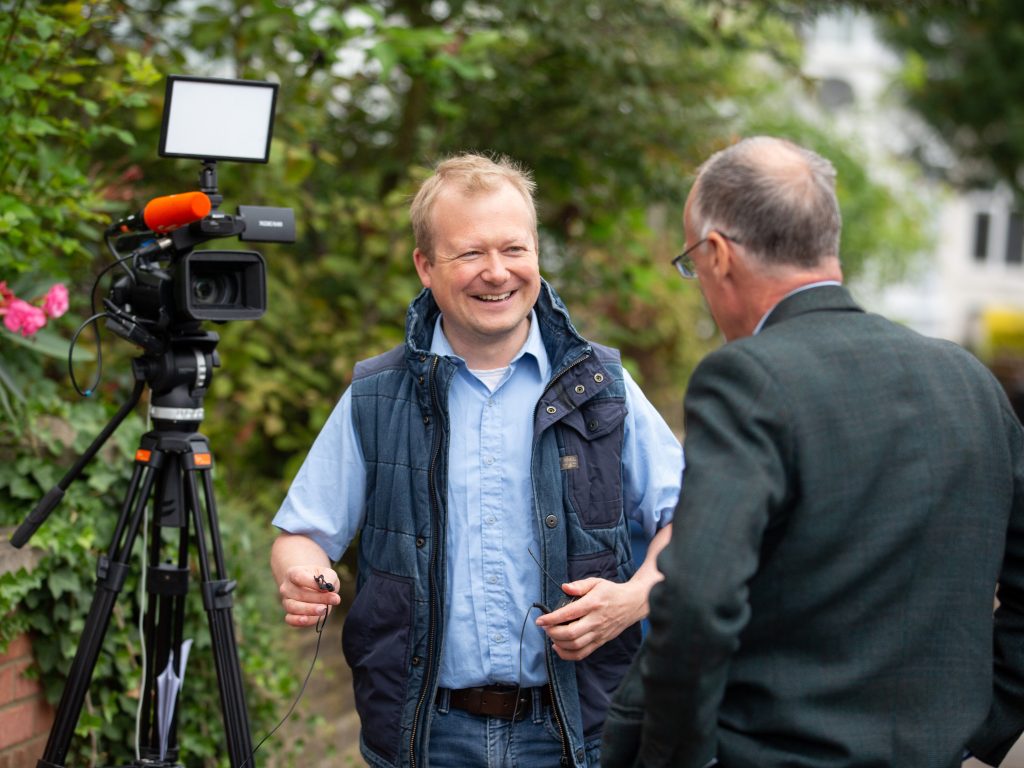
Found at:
<point>461,740</point>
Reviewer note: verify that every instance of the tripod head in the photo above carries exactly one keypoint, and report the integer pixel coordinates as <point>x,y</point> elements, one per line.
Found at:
<point>178,379</point>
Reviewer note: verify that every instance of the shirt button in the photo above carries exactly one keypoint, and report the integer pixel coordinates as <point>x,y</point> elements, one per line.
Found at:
<point>550,521</point>
<point>551,409</point>
<point>492,579</point>
<point>498,638</point>
<point>490,403</point>
<point>580,389</point>
<point>490,520</point>
<point>598,377</point>
<point>489,460</point>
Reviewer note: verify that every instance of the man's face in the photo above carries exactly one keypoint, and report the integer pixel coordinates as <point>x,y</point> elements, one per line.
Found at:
<point>485,274</point>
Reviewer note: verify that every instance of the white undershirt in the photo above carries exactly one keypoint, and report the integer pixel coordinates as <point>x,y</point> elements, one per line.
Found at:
<point>491,379</point>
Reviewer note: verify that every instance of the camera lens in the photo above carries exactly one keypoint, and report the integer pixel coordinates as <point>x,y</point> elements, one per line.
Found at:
<point>217,289</point>
<point>221,286</point>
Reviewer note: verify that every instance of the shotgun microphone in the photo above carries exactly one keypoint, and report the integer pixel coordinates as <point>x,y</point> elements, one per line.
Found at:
<point>162,214</point>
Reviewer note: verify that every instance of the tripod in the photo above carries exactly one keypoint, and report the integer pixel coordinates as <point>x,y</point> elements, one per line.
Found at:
<point>172,468</point>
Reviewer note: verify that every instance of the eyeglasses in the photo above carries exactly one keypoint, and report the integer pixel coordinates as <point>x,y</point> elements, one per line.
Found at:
<point>684,262</point>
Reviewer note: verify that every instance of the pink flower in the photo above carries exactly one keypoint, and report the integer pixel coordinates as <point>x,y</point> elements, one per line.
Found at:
<point>21,317</point>
<point>55,303</point>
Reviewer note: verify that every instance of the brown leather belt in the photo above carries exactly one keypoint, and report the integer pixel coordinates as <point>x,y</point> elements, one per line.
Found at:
<point>496,700</point>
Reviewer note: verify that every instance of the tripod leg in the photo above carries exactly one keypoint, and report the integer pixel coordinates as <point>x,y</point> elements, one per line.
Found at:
<point>218,599</point>
<point>110,576</point>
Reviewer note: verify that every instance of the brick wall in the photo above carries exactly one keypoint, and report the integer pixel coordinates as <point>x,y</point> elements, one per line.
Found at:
<point>25,717</point>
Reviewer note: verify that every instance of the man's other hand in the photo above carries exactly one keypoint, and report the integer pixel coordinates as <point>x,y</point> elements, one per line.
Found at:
<point>604,609</point>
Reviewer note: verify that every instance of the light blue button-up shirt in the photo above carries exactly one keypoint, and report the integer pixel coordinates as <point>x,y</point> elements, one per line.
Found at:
<point>492,579</point>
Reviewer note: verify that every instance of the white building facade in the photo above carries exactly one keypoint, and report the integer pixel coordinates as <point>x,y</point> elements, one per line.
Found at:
<point>970,288</point>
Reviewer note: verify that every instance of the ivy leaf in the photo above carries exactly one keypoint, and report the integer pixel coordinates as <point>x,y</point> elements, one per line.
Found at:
<point>23,488</point>
<point>63,581</point>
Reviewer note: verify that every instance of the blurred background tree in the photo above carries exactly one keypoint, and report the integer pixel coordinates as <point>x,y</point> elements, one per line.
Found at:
<point>611,104</point>
<point>962,75</point>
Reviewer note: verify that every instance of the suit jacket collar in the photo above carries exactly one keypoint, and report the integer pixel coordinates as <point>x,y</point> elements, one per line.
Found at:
<point>826,298</point>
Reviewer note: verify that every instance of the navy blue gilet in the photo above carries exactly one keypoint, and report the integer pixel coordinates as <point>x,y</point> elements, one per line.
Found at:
<point>394,629</point>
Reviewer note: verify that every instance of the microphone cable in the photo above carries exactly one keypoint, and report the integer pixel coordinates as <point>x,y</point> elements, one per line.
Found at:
<point>320,624</point>
<point>519,675</point>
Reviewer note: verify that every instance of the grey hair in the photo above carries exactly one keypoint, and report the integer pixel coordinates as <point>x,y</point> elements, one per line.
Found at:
<point>774,197</point>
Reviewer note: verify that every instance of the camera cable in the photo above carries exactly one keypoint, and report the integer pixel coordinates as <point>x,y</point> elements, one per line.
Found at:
<point>89,391</point>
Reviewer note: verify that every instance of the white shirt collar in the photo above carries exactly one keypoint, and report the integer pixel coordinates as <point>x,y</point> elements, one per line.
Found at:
<point>795,291</point>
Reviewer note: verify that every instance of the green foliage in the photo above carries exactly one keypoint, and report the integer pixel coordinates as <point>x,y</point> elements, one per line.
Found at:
<point>611,108</point>
<point>963,76</point>
<point>56,96</point>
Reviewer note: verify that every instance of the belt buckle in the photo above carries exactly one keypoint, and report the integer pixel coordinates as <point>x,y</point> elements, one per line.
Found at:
<point>521,706</point>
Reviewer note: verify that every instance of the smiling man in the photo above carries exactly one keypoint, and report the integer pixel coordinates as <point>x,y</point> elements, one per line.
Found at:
<point>490,466</point>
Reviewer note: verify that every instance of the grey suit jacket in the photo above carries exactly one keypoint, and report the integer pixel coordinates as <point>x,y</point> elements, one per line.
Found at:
<point>854,493</point>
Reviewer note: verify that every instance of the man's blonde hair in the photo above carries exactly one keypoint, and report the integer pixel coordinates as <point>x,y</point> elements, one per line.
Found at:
<point>470,174</point>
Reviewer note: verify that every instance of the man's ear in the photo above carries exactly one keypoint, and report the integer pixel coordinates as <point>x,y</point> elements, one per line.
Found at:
<point>423,266</point>
<point>721,255</point>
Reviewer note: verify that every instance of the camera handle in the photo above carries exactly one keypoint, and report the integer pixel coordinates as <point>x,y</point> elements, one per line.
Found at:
<point>173,462</point>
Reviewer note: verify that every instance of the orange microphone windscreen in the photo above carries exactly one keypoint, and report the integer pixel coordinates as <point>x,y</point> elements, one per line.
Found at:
<point>162,214</point>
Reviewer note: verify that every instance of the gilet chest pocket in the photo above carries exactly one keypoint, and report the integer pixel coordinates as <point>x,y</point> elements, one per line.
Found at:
<point>591,460</point>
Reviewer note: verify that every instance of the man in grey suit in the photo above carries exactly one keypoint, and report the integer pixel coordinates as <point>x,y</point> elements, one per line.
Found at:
<point>853,500</point>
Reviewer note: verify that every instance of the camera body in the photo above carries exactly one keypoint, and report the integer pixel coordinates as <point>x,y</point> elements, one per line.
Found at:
<point>201,285</point>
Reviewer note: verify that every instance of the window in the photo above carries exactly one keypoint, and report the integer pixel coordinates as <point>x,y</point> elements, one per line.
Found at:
<point>981,224</point>
<point>834,94</point>
<point>1015,239</point>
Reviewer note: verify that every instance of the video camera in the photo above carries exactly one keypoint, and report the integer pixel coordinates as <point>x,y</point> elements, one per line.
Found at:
<point>169,287</point>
